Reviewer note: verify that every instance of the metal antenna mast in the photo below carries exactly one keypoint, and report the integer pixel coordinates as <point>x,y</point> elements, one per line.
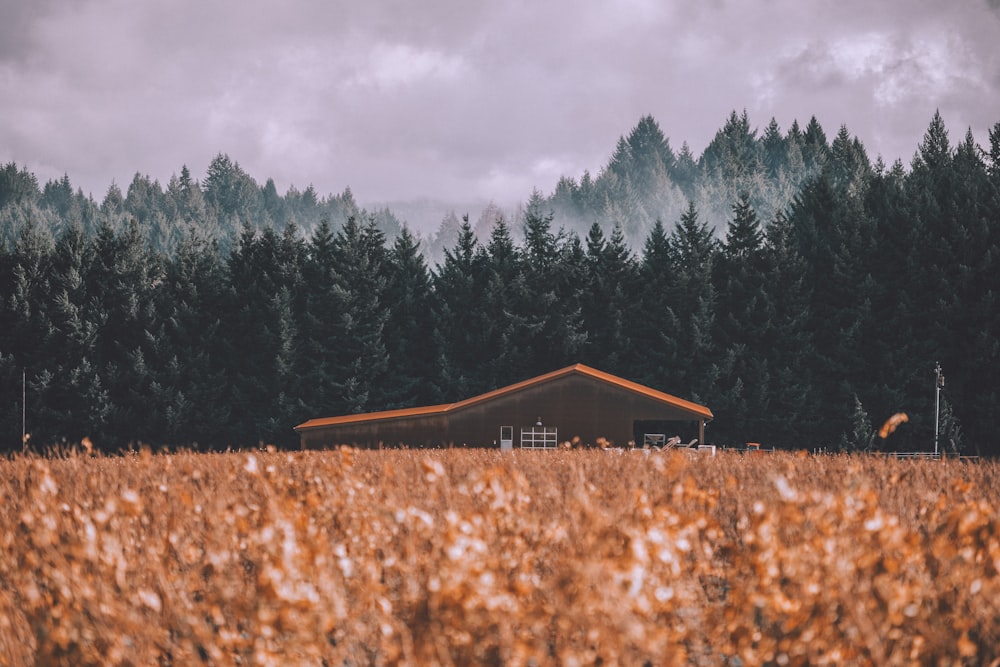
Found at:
<point>938,383</point>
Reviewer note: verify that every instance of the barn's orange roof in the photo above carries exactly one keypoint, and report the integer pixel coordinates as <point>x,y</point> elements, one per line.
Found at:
<point>635,387</point>
<point>374,416</point>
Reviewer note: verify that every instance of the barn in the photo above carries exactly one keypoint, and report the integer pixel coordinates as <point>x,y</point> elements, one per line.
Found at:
<point>570,404</point>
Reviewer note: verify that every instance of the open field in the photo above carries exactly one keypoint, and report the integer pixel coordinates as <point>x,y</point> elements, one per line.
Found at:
<point>477,557</point>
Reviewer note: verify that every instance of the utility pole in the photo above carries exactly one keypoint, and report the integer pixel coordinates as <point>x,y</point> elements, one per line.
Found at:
<point>938,383</point>
<point>24,410</point>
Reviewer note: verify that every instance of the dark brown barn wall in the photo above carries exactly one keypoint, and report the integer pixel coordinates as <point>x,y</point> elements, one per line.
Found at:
<point>578,405</point>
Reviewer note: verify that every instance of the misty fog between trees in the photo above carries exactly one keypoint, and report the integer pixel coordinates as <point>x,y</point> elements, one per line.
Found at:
<point>799,289</point>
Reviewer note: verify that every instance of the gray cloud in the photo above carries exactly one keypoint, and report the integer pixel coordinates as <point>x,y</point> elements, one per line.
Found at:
<point>456,100</point>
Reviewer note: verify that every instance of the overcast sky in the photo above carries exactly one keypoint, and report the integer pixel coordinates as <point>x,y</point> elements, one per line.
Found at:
<point>455,100</point>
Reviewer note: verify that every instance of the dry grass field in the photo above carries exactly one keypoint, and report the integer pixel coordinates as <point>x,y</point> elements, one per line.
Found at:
<point>477,557</point>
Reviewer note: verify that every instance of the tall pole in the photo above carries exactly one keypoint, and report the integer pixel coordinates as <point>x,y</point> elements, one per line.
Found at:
<point>24,410</point>
<point>938,382</point>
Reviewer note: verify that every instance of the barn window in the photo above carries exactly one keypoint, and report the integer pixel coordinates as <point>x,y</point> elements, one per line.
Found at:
<point>539,437</point>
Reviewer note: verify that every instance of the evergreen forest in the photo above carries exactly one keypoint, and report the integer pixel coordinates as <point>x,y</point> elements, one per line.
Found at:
<point>802,291</point>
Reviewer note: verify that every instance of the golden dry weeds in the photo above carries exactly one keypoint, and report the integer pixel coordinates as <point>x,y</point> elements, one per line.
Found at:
<point>480,557</point>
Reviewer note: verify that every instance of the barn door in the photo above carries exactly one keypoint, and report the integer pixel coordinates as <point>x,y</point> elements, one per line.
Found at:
<point>506,437</point>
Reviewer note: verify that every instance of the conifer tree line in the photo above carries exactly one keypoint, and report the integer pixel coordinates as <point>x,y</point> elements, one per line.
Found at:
<point>811,310</point>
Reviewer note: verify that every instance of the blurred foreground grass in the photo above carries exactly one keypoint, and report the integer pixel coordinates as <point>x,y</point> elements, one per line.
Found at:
<point>480,557</point>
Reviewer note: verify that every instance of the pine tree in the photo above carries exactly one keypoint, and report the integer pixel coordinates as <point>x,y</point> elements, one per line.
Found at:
<point>588,196</point>
<point>610,282</point>
<point>68,397</point>
<point>24,293</point>
<point>460,283</point>
<point>275,207</point>
<point>544,326</point>
<point>791,397</point>
<point>17,186</point>
<point>189,394</point>
<point>323,306</point>
<point>410,336</point>
<point>898,325</point>
<point>815,148</point>
<point>936,208</point>
<point>993,166</point>
<point>637,186</point>
<point>444,238</point>
<point>120,282</point>
<point>655,335</point>
<point>950,430</point>
<point>774,151</point>
<point>191,205</point>
<point>363,360</point>
<point>233,196</point>
<point>652,158</point>
<point>28,289</point>
<point>849,168</point>
<point>861,436</point>
<point>113,206</point>
<point>685,172</point>
<point>730,165</point>
<point>962,226</point>
<point>144,200</point>
<point>985,410</point>
<point>743,327</point>
<point>19,205</point>
<point>834,236</point>
<point>501,267</point>
<point>732,156</point>
<point>692,304</point>
<point>261,335</point>
<point>795,141</point>
<point>566,201</point>
<point>58,195</point>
